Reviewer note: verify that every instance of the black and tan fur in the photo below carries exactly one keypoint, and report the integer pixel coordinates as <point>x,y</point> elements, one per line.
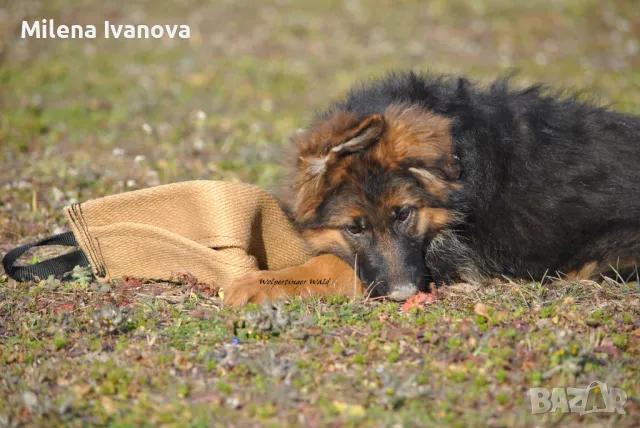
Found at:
<point>416,179</point>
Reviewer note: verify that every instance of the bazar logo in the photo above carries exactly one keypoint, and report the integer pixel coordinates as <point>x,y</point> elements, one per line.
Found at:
<point>597,395</point>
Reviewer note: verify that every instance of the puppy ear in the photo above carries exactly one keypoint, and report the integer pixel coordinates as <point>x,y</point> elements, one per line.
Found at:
<point>360,136</point>
<point>437,187</point>
<point>341,135</point>
<point>450,167</point>
<point>446,168</point>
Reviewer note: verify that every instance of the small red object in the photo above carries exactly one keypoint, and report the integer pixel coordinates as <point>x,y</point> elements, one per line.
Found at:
<point>418,301</point>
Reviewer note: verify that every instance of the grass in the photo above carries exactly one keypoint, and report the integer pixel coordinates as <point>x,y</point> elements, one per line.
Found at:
<point>87,118</point>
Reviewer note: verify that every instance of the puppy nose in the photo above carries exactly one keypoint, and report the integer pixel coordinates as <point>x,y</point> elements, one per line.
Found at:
<point>401,292</point>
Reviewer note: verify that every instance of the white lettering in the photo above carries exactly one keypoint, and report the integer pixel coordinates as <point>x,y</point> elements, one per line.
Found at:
<point>156,31</point>
<point>116,30</point>
<point>559,400</point>
<point>129,32</point>
<point>171,30</point>
<point>143,32</point>
<point>46,28</point>
<point>29,32</point>
<point>579,401</point>
<point>543,401</point>
<point>91,32</point>
<point>540,396</point>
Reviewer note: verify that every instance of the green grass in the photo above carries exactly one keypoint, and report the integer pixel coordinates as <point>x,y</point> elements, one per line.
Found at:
<point>87,118</point>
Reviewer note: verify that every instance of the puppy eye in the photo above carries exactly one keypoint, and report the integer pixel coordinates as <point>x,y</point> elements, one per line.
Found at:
<point>404,214</point>
<point>355,229</point>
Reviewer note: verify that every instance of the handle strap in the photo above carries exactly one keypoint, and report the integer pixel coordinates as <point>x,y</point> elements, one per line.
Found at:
<point>59,267</point>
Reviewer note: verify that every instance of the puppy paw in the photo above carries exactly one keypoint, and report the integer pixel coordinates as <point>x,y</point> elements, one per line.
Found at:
<point>250,289</point>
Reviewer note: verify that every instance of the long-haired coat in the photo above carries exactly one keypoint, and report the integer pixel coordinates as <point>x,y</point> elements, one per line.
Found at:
<point>414,179</point>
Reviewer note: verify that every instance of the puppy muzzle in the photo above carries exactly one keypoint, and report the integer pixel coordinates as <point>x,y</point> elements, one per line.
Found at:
<point>401,292</point>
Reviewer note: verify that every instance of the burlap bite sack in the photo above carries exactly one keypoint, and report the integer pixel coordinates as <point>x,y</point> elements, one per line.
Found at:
<point>213,230</point>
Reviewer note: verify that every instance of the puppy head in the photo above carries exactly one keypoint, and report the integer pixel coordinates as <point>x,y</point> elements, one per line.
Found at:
<point>373,190</point>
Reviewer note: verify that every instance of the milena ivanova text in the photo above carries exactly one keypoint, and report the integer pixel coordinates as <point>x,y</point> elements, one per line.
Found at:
<point>47,29</point>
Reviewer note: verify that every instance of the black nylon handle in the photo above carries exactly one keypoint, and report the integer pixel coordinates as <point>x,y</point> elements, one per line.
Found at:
<point>58,266</point>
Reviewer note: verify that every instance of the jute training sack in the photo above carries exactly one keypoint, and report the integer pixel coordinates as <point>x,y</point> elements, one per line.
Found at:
<point>213,230</point>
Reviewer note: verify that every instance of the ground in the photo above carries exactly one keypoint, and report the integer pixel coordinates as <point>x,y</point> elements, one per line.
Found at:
<point>86,118</point>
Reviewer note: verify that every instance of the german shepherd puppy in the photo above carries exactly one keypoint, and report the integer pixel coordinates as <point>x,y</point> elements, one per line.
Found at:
<point>416,179</point>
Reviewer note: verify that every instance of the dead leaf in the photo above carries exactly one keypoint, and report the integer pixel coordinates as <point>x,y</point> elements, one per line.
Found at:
<point>418,301</point>
<point>182,363</point>
<point>481,309</point>
<point>610,350</point>
<point>313,331</point>
<point>108,404</point>
<point>205,397</point>
<point>203,314</point>
<point>543,323</point>
<point>64,307</point>
<point>81,390</point>
<point>130,282</point>
<point>394,333</point>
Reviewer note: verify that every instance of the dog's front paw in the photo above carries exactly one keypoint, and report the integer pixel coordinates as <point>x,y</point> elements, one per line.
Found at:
<point>253,287</point>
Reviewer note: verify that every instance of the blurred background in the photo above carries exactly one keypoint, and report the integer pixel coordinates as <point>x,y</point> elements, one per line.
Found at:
<point>84,118</point>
